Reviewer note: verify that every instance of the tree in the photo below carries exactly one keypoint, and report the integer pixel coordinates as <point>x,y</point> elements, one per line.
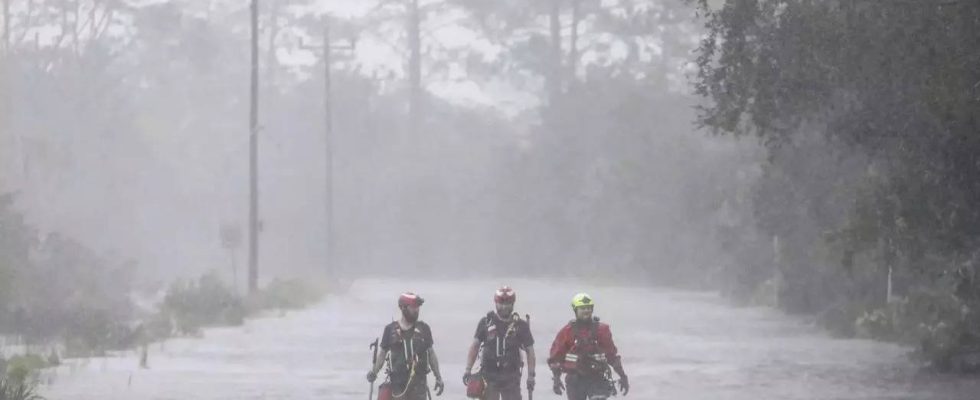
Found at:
<point>886,85</point>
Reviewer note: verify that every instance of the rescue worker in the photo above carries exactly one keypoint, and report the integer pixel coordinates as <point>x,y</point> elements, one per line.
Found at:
<point>500,338</point>
<point>407,346</point>
<point>585,352</point>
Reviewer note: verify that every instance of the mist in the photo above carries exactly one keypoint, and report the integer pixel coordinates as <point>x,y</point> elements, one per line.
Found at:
<point>169,170</point>
<point>134,141</point>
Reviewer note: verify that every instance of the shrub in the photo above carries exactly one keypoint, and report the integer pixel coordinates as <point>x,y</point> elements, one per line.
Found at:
<point>193,305</point>
<point>13,390</point>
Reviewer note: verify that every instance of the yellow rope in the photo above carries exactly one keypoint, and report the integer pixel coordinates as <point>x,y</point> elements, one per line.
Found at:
<point>411,375</point>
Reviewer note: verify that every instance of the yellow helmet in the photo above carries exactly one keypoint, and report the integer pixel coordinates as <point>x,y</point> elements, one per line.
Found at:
<point>582,300</point>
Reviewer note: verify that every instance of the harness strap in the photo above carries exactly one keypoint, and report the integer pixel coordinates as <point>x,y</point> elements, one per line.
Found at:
<point>501,343</point>
<point>408,347</point>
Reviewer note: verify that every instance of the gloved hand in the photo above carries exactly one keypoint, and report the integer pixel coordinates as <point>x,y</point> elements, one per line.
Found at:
<point>556,385</point>
<point>371,376</point>
<point>530,383</point>
<point>624,384</point>
<point>466,378</point>
<point>439,387</point>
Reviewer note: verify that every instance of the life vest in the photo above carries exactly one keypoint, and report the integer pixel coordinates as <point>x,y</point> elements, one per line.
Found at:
<point>585,356</point>
<point>408,354</point>
<point>501,348</point>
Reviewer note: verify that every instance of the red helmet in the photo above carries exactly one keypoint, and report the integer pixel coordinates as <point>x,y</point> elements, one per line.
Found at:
<point>505,295</point>
<point>410,299</point>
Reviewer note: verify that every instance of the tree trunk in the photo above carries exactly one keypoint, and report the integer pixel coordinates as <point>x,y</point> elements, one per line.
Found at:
<point>6,25</point>
<point>74,29</point>
<point>573,46</point>
<point>270,50</point>
<point>415,67</point>
<point>554,74</point>
<point>92,24</point>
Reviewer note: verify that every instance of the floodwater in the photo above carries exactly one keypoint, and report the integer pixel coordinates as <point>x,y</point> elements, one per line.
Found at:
<point>676,345</point>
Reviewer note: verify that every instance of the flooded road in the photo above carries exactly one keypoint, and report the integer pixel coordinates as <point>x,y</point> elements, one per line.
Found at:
<point>675,345</point>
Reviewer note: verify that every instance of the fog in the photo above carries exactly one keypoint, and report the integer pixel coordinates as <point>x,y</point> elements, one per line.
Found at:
<point>169,170</point>
<point>134,139</point>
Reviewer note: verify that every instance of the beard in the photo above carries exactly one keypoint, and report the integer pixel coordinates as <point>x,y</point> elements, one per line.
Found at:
<point>410,316</point>
<point>505,312</point>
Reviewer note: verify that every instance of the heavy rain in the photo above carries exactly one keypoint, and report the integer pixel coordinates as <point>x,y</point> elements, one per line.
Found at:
<point>494,199</point>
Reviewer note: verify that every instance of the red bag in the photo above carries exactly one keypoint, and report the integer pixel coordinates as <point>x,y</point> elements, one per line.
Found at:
<point>475,387</point>
<point>384,392</point>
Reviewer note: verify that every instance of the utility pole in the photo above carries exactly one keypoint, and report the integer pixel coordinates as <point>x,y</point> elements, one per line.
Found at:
<point>327,48</point>
<point>328,154</point>
<point>253,146</point>
<point>4,98</point>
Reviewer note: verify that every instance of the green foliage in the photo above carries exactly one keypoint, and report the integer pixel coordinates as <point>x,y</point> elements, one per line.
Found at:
<point>15,244</point>
<point>193,305</point>
<point>11,389</point>
<point>288,294</point>
<point>21,369</point>
<point>838,319</point>
<point>63,292</point>
<point>158,326</point>
<point>53,359</point>
<point>190,305</point>
<point>870,112</point>
<point>93,332</point>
